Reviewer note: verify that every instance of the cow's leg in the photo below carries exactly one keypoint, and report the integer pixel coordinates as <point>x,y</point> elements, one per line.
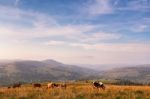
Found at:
<point>103,87</point>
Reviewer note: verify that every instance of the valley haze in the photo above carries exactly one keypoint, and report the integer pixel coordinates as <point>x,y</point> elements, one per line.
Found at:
<point>29,71</point>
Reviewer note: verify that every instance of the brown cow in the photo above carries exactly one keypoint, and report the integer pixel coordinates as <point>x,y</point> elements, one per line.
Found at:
<point>16,86</point>
<point>8,87</point>
<point>54,85</point>
<point>37,85</point>
<point>63,85</point>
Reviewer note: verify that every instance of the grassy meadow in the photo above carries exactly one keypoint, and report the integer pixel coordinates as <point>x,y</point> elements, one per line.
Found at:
<point>76,91</point>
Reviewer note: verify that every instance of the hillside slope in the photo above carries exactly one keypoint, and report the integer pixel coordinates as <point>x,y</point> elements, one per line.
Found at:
<point>33,71</point>
<point>51,70</point>
<point>139,73</point>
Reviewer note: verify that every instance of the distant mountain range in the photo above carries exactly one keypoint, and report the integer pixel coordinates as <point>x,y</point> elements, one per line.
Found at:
<point>139,73</point>
<point>51,70</point>
<point>47,70</point>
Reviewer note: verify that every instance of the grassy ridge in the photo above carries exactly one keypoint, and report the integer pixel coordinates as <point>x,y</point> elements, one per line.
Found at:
<point>77,91</point>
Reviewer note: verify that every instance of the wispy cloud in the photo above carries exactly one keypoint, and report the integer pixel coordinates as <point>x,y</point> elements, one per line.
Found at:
<point>95,37</point>
<point>46,26</point>
<point>54,43</point>
<point>32,34</point>
<point>17,2</point>
<point>136,5</point>
<point>103,7</point>
<point>42,25</point>
<point>139,26</point>
<point>98,7</point>
<point>129,47</point>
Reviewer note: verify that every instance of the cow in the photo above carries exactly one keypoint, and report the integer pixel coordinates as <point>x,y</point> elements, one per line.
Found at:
<point>63,86</point>
<point>16,85</point>
<point>49,85</point>
<point>98,85</point>
<point>37,85</point>
<point>8,87</point>
<point>54,85</point>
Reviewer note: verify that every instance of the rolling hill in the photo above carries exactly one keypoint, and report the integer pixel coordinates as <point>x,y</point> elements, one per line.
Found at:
<point>33,71</point>
<point>51,70</point>
<point>139,73</point>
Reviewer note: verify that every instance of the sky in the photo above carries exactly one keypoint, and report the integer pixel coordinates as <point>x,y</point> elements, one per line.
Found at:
<point>76,31</point>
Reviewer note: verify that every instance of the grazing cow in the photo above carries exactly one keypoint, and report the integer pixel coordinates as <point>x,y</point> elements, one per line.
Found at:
<point>9,87</point>
<point>98,84</point>
<point>49,85</point>
<point>63,85</point>
<point>16,86</point>
<point>54,85</point>
<point>36,85</point>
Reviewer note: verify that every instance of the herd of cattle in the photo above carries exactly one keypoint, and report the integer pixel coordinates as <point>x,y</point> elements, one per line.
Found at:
<point>95,84</point>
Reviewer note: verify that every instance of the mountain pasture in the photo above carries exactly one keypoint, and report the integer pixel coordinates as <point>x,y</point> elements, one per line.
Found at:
<point>76,91</point>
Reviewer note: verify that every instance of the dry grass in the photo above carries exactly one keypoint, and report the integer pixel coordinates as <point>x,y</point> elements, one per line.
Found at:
<point>77,91</point>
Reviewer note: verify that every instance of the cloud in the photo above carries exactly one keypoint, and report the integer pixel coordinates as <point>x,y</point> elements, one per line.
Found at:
<point>54,43</point>
<point>32,34</point>
<point>142,5</point>
<point>128,47</point>
<point>101,7</point>
<point>95,37</point>
<point>98,7</point>
<point>136,5</point>
<point>139,26</point>
<point>115,53</point>
<point>17,2</point>
<point>44,26</point>
<point>41,26</point>
<point>100,36</point>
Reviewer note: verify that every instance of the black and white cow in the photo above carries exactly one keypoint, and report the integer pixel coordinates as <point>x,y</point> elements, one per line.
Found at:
<point>98,84</point>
